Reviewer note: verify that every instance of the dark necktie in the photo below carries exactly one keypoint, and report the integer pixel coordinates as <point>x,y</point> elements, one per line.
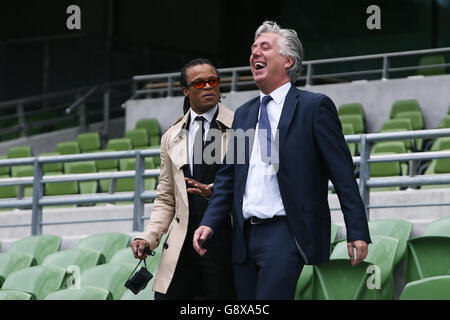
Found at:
<point>264,131</point>
<point>199,146</point>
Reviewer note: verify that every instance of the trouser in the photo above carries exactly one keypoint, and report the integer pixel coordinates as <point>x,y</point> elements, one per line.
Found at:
<point>209,276</point>
<point>273,264</point>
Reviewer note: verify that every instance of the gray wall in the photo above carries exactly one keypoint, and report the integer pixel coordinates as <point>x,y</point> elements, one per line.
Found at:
<point>377,97</point>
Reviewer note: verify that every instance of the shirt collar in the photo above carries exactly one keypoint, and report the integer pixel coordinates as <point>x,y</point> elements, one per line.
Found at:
<point>279,94</point>
<point>208,115</point>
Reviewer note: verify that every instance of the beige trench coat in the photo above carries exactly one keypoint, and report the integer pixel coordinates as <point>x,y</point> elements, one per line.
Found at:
<point>171,207</point>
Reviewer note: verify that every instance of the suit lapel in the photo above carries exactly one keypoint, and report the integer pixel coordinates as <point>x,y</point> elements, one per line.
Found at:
<point>287,114</point>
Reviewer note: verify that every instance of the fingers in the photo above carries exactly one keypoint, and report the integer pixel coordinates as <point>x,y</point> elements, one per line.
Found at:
<point>350,251</point>
<point>201,235</point>
<point>361,251</point>
<point>138,247</point>
<point>196,184</point>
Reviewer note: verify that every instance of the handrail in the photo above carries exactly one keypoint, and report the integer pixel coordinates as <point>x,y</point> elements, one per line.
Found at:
<point>139,174</point>
<point>308,64</point>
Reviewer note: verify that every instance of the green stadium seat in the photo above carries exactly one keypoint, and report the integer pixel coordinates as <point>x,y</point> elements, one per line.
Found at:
<point>119,144</point>
<point>440,227</point>
<point>24,171</point>
<point>108,165</point>
<point>415,117</point>
<point>385,169</point>
<point>351,108</point>
<point>397,229</point>
<point>428,255</point>
<point>38,281</point>
<point>107,243</point>
<point>20,152</point>
<point>404,106</point>
<point>82,293</point>
<point>433,288</point>
<point>38,246</point>
<point>83,258</point>
<point>431,60</point>
<point>127,184</point>
<point>15,295</point>
<point>445,123</point>
<point>399,125</point>
<point>6,191</point>
<point>339,280</point>
<point>111,277</point>
<point>56,188</point>
<point>392,147</point>
<point>304,289</point>
<point>68,147</point>
<point>85,187</point>
<point>139,138</point>
<point>438,166</point>
<point>14,261</point>
<point>355,120</point>
<point>89,142</point>
<point>153,129</point>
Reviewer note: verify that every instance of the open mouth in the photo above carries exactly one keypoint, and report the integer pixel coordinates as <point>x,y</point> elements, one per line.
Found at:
<point>259,65</point>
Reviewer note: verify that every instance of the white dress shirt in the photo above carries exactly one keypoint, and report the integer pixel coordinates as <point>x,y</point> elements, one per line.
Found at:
<point>262,197</point>
<point>194,126</point>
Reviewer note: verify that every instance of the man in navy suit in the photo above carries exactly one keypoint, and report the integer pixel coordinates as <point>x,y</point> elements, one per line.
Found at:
<point>278,194</point>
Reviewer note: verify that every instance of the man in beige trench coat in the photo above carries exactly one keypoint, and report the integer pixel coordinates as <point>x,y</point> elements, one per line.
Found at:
<point>186,182</point>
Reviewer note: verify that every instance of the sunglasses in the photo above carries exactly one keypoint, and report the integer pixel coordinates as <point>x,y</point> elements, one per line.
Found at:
<point>199,84</point>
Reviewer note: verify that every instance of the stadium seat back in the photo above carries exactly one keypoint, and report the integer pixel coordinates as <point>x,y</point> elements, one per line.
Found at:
<point>82,293</point>
<point>4,170</point>
<point>51,167</point>
<point>110,277</point>
<point>153,129</point>
<point>38,246</point>
<point>12,294</point>
<point>20,152</point>
<point>119,144</point>
<point>385,169</point>
<point>427,256</point>
<point>14,261</point>
<point>443,164</point>
<point>138,137</point>
<point>404,106</point>
<point>355,120</point>
<point>83,258</point>
<point>89,142</point>
<point>68,147</point>
<point>85,187</point>
<point>433,288</point>
<point>351,108</point>
<point>38,281</point>
<point>107,243</point>
<point>415,117</point>
<point>397,229</point>
<point>440,227</point>
<point>431,60</point>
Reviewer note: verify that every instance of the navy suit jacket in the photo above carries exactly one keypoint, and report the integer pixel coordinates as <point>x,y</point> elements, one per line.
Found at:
<point>312,151</point>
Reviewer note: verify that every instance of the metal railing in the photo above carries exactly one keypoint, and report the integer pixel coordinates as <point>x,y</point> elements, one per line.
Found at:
<point>140,195</point>
<point>38,200</point>
<point>240,78</point>
<point>65,103</point>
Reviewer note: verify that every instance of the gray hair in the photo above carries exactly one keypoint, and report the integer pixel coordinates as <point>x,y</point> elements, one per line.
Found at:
<point>289,43</point>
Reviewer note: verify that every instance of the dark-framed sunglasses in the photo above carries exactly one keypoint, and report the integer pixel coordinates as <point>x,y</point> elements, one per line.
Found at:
<point>199,84</point>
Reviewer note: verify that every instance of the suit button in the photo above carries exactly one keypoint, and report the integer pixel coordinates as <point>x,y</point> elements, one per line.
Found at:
<point>166,245</point>
<point>178,219</point>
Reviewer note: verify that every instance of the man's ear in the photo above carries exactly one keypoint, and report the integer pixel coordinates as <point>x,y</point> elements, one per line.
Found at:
<point>289,62</point>
<point>185,91</point>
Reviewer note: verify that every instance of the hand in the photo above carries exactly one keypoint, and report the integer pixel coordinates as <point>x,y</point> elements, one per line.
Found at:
<point>202,234</point>
<point>138,247</point>
<point>361,251</point>
<point>204,190</point>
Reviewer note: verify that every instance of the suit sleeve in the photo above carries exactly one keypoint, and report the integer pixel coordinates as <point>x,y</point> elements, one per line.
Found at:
<point>338,161</point>
<point>221,202</point>
<point>164,206</point>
